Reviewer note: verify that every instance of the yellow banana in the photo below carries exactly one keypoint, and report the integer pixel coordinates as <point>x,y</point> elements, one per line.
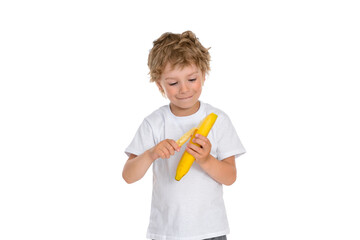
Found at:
<point>185,137</point>
<point>187,159</point>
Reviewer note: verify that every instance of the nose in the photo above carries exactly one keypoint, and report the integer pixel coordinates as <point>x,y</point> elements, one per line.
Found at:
<point>184,88</point>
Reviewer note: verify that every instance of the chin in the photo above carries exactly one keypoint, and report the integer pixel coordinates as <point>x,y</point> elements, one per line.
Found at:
<point>186,104</point>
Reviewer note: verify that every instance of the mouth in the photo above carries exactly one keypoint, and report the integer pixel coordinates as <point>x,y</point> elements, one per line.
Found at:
<point>184,98</point>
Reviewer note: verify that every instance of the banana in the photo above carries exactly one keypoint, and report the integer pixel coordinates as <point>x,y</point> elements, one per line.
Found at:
<point>185,137</point>
<point>187,159</point>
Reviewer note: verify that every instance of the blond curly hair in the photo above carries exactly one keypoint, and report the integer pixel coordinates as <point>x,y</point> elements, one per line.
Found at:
<point>180,50</point>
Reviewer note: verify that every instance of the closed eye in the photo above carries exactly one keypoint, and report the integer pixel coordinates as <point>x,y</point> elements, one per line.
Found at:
<point>190,80</point>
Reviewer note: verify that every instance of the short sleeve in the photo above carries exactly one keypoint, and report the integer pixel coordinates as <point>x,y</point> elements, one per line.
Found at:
<point>228,141</point>
<point>142,141</point>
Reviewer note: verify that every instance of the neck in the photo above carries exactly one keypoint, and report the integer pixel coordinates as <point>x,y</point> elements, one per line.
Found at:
<point>183,112</point>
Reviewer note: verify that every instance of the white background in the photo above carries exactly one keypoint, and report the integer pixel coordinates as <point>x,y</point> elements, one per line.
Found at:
<point>75,87</point>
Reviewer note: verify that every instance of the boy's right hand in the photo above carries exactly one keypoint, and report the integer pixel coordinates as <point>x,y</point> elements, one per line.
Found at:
<point>164,149</point>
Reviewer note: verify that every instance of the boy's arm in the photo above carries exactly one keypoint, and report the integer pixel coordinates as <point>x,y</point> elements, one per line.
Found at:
<point>223,171</point>
<point>136,166</point>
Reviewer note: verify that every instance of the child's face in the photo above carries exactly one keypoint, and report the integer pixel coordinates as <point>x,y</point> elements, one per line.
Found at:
<point>182,87</point>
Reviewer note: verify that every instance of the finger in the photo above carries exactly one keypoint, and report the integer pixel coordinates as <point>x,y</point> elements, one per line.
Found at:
<point>166,152</point>
<point>174,145</point>
<point>161,154</point>
<point>193,153</point>
<point>195,148</point>
<point>199,141</point>
<point>170,148</point>
<point>201,137</point>
<point>206,141</point>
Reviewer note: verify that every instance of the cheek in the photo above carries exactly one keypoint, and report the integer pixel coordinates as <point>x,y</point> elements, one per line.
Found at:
<point>198,86</point>
<point>170,90</point>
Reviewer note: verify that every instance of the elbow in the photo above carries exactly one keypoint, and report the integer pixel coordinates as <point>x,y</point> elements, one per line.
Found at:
<point>130,179</point>
<point>231,180</point>
<point>127,179</point>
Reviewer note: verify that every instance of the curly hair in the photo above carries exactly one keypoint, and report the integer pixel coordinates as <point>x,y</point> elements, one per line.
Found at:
<point>180,50</point>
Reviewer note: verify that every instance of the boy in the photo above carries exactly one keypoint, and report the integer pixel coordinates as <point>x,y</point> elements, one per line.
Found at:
<point>193,208</point>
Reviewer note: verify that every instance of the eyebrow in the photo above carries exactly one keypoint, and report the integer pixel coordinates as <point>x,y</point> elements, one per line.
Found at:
<point>169,78</point>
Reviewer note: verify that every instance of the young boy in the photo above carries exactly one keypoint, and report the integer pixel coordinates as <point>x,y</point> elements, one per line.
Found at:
<point>192,208</point>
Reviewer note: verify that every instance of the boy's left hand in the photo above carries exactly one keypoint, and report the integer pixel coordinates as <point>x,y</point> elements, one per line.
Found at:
<point>201,153</point>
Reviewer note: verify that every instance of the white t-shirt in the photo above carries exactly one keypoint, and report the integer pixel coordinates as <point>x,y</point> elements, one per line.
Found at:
<point>192,208</point>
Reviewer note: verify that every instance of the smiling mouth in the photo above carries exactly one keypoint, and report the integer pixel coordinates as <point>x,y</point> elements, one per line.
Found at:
<point>185,98</point>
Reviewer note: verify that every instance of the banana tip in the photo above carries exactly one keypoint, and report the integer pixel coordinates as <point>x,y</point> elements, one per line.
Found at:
<point>178,178</point>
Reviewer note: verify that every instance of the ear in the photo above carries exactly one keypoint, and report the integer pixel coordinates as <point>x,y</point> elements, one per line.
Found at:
<point>160,88</point>
<point>204,78</point>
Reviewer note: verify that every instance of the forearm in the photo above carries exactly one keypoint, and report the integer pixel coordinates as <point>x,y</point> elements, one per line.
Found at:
<point>136,168</point>
<point>220,171</point>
